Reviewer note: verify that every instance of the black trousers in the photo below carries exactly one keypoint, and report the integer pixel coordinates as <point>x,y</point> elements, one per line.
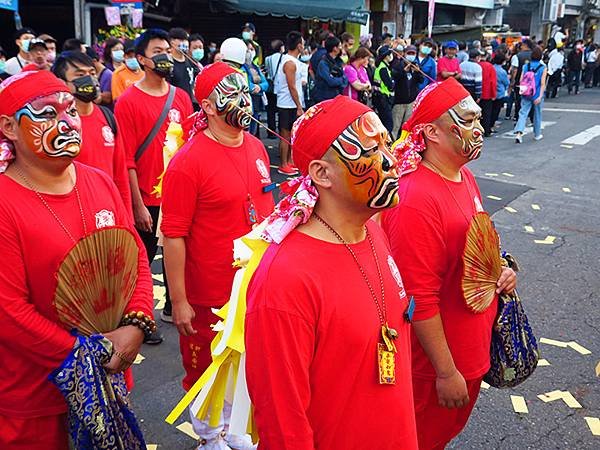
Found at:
<point>496,108</point>
<point>554,82</point>
<point>486,115</point>
<point>383,105</point>
<point>272,112</point>
<point>151,243</point>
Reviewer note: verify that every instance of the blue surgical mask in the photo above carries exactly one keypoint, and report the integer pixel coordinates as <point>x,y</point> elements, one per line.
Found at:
<point>2,66</point>
<point>118,55</point>
<point>198,54</point>
<point>132,64</point>
<point>411,58</point>
<point>425,50</point>
<point>184,47</point>
<point>25,45</point>
<point>305,58</point>
<point>246,35</point>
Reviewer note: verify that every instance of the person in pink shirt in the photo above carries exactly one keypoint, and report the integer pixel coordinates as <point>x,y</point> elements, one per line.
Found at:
<point>356,72</point>
<point>449,64</point>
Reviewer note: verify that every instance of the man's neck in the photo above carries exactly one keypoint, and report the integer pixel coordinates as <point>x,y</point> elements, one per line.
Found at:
<point>224,134</point>
<point>422,56</point>
<point>294,53</point>
<point>84,108</point>
<point>23,55</point>
<point>444,166</point>
<point>349,225</point>
<point>178,56</point>
<point>153,84</point>
<point>47,178</point>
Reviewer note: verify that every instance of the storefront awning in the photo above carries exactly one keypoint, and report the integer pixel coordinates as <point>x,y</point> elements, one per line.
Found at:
<point>338,11</point>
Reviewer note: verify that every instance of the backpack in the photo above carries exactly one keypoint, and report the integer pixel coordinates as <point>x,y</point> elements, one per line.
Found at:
<point>527,87</point>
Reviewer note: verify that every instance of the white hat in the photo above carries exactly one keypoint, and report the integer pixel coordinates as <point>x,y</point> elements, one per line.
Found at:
<point>234,50</point>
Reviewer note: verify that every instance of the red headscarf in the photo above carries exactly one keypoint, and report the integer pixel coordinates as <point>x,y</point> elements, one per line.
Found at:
<point>15,93</point>
<point>314,132</point>
<point>430,104</point>
<point>208,79</point>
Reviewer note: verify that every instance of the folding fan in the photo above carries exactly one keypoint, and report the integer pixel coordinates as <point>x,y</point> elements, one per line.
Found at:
<point>482,264</point>
<point>96,281</point>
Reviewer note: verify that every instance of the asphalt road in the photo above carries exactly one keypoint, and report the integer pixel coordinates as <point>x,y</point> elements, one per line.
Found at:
<point>545,199</point>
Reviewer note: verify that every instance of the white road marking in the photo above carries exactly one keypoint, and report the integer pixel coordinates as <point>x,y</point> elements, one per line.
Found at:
<point>511,134</point>
<point>573,110</point>
<point>584,137</point>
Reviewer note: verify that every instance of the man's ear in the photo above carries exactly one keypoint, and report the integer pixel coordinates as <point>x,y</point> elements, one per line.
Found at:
<point>320,172</point>
<point>8,127</point>
<point>208,107</point>
<point>431,133</point>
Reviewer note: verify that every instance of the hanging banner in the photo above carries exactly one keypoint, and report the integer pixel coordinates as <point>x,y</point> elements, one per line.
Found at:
<point>430,14</point>
<point>11,5</point>
<point>113,16</point>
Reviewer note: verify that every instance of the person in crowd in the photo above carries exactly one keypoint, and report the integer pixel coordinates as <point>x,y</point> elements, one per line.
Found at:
<point>347,46</point>
<point>462,55</point>
<point>73,45</point>
<point>471,77</point>
<point>129,73</point>
<point>100,147</point>
<point>113,54</point>
<point>38,52</point>
<point>290,98</point>
<point>3,56</point>
<point>233,51</point>
<point>449,65</point>
<point>50,45</point>
<point>366,40</point>
<point>196,51</point>
<point>305,74</point>
<point>516,68</point>
<point>426,63</point>
<point>502,85</point>
<point>407,79</point>
<point>329,78</point>
<point>359,85</point>
<point>199,232</point>
<point>574,67</point>
<point>48,204</point>
<point>387,39</point>
<point>383,87</point>
<point>536,101</point>
<point>272,65</point>
<point>509,69</point>
<point>258,86</point>
<point>23,37</point>
<point>143,114</point>
<point>184,68</point>
<point>249,36</point>
<point>342,302</point>
<point>489,87</point>
<point>320,52</point>
<point>591,62</point>
<point>217,57</point>
<point>427,232</point>
<point>104,76</point>
<point>556,60</point>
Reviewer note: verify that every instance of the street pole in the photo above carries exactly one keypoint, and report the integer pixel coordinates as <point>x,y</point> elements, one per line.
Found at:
<point>77,14</point>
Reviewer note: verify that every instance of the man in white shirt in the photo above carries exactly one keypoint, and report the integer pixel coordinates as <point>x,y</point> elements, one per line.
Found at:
<point>272,63</point>
<point>23,37</point>
<point>556,59</point>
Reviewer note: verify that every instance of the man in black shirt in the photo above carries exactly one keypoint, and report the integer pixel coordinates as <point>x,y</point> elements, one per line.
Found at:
<point>184,70</point>
<point>407,80</point>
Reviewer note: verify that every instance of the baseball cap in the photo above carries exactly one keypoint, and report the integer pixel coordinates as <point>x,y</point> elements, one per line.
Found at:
<point>383,51</point>
<point>250,26</point>
<point>450,44</point>
<point>25,30</point>
<point>37,43</point>
<point>410,48</point>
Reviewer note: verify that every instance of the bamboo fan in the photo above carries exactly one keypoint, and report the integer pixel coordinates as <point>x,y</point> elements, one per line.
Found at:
<point>96,281</point>
<point>482,264</point>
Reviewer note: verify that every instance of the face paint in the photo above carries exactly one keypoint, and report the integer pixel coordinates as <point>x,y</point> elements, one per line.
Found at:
<point>233,91</point>
<point>465,127</point>
<point>363,149</point>
<point>51,126</point>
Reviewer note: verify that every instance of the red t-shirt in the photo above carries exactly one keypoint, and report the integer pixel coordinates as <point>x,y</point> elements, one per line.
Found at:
<point>312,331</point>
<point>136,113</point>
<point>32,341</point>
<point>427,233</point>
<point>102,150</point>
<point>488,81</point>
<point>205,196</point>
<point>446,64</point>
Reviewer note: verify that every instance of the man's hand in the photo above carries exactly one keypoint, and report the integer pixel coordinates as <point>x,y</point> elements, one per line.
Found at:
<point>538,100</point>
<point>127,341</point>
<point>183,314</point>
<point>256,89</point>
<point>299,111</point>
<point>452,390</point>
<point>507,281</point>
<point>143,219</point>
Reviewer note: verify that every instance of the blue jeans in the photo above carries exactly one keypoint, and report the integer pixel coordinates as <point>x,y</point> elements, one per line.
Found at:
<point>526,106</point>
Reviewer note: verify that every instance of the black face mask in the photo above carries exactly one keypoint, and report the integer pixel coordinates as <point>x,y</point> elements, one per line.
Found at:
<point>163,65</point>
<point>86,88</point>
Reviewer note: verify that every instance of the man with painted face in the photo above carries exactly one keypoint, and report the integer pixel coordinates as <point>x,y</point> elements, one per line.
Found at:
<point>184,69</point>
<point>138,112</point>
<point>427,233</point>
<point>215,191</point>
<point>22,38</point>
<point>100,142</point>
<point>48,204</point>
<point>328,364</point>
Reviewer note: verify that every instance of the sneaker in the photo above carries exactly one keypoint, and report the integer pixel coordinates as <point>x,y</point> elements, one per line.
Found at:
<point>519,139</point>
<point>287,170</point>
<point>538,138</point>
<point>153,339</point>
<point>166,317</point>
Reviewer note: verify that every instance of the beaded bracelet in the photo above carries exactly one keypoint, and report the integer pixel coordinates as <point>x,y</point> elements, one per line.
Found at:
<point>140,320</point>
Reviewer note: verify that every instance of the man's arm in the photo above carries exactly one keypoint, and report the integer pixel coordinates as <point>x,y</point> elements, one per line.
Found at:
<point>183,313</point>
<point>141,215</point>
<point>289,69</point>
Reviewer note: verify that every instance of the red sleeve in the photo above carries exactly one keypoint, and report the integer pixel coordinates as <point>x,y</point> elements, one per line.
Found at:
<point>126,126</point>
<point>419,250</point>
<point>279,352</point>
<point>178,203</point>
<point>121,174</point>
<point>188,110</point>
<point>46,343</point>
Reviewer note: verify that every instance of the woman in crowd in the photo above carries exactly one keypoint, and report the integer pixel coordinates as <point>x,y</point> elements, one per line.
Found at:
<point>502,85</point>
<point>114,54</point>
<point>358,79</point>
<point>535,101</point>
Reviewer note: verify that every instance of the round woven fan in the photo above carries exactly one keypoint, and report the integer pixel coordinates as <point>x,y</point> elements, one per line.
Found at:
<point>96,281</point>
<point>482,264</point>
